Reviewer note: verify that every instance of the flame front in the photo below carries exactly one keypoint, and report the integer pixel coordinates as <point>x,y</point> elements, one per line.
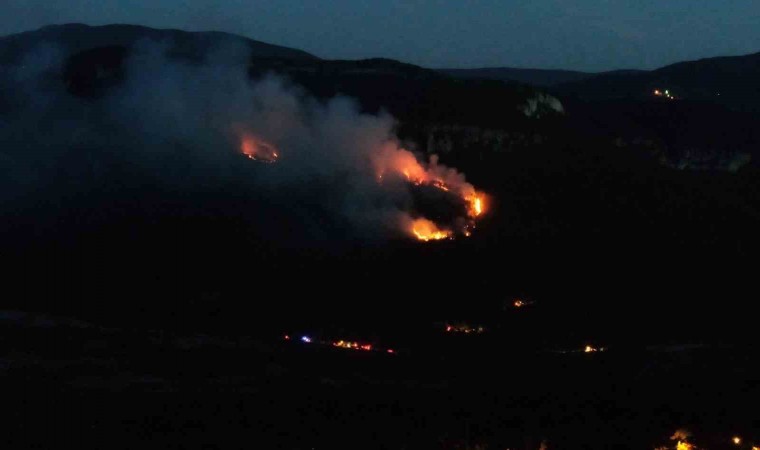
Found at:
<point>395,160</point>
<point>474,204</point>
<point>426,230</point>
<point>392,159</point>
<point>683,445</point>
<point>258,150</point>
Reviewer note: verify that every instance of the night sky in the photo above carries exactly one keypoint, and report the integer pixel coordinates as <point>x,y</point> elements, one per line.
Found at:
<point>579,34</point>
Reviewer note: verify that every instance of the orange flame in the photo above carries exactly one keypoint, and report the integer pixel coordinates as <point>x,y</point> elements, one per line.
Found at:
<point>392,159</point>
<point>426,230</point>
<point>352,345</point>
<point>258,150</point>
<point>474,204</point>
<point>683,445</point>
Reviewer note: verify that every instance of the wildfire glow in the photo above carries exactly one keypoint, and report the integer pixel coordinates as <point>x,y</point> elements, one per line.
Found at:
<point>465,328</point>
<point>683,445</point>
<point>426,230</point>
<point>391,160</point>
<point>476,205</point>
<point>394,160</point>
<point>258,150</point>
<point>354,346</point>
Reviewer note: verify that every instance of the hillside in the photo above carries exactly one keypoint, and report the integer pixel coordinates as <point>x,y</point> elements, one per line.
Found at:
<point>729,81</point>
<point>73,38</point>
<point>561,191</point>
<point>190,231</point>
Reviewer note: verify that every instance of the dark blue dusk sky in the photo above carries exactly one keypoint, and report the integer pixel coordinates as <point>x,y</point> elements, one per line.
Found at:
<point>566,34</point>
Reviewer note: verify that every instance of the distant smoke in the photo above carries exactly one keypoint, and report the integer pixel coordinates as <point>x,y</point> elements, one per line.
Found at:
<point>180,125</point>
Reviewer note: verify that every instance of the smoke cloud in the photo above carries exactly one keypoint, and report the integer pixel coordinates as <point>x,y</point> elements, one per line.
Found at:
<point>184,127</point>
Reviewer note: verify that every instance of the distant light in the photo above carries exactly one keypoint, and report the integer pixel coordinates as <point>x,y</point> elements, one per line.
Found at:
<point>736,440</point>
<point>390,350</point>
<point>306,339</point>
<point>287,338</point>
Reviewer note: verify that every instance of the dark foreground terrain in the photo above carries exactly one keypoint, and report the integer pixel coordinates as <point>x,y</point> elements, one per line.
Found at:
<point>71,381</point>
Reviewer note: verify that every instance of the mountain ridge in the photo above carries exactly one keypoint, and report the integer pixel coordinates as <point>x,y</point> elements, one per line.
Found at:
<point>553,77</point>
<point>77,37</point>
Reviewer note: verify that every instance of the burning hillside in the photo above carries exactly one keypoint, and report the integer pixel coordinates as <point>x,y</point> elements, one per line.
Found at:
<point>324,168</point>
<point>393,164</point>
<point>258,150</point>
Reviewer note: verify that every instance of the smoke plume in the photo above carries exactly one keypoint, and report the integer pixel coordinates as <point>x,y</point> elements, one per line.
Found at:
<point>186,127</point>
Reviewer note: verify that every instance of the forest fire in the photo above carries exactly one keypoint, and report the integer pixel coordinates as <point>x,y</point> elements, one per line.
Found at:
<point>395,160</point>
<point>352,345</point>
<point>402,165</point>
<point>683,445</point>
<point>258,150</point>
<point>592,349</point>
<point>426,230</point>
<point>342,343</point>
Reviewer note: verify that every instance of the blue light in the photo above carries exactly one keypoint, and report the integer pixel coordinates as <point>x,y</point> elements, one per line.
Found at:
<point>306,339</point>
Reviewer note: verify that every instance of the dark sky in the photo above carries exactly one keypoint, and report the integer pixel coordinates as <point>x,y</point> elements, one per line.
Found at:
<point>567,34</point>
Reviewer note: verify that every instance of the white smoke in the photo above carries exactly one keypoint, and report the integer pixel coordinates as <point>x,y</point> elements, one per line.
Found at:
<point>179,124</point>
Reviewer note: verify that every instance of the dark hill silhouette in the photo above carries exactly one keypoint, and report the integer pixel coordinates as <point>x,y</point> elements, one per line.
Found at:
<point>730,81</point>
<point>536,77</point>
<point>77,37</point>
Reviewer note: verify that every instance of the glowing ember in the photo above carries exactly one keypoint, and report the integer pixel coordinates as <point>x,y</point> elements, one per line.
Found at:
<point>353,345</point>
<point>683,445</point>
<point>440,185</point>
<point>681,437</point>
<point>426,230</point>
<point>519,303</point>
<point>465,328</point>
<point>258,150</point>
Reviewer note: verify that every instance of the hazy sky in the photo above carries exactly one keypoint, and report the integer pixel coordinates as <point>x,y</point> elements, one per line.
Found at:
<point>568,34</point>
